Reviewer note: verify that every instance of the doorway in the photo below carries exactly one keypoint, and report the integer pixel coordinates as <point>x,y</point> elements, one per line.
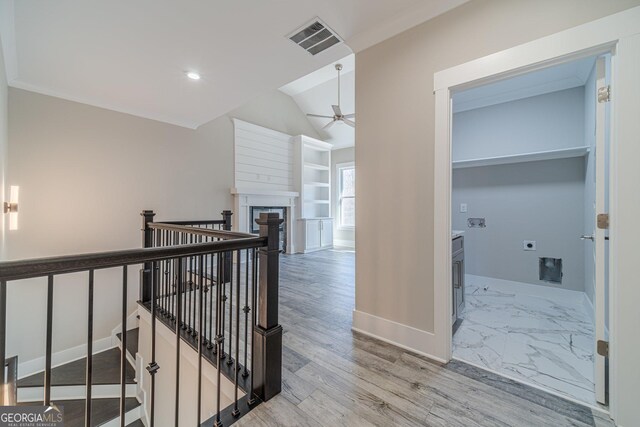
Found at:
<point>523,216</point>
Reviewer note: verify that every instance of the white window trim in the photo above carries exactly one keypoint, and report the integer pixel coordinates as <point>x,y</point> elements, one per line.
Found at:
<point>339,167</point>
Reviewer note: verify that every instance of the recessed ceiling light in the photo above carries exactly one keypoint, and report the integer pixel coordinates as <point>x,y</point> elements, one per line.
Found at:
<point>193,75</point>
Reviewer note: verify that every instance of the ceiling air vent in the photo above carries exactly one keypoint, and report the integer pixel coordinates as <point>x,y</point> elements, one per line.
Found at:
<point>315,37</point>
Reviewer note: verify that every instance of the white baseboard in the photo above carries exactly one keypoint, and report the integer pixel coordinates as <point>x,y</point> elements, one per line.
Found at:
<point>33,366</point>
<point>403,336</point>
<point>344,243</point>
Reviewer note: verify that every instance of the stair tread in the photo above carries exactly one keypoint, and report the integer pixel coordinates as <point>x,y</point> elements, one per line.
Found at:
<point>132,340</point>
<point>136,423</point>
<point>102,410</point>
<point>106,370</point>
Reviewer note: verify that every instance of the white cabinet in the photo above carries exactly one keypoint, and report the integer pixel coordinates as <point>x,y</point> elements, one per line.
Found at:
<point>312,175</point>
<point>326,233</point>
<point>317,234</point>
<point>312,235</point>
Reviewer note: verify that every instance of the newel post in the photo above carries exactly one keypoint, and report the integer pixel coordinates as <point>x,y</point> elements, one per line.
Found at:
<point>267,333</point>
<point>147,242</point>
<point>228,256</point>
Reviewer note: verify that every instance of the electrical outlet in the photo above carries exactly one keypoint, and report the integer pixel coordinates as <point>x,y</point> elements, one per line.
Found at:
<point>529,245</point>
<point>463,207</point>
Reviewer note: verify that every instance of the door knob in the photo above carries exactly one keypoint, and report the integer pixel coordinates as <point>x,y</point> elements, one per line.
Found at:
<point>585,237</point>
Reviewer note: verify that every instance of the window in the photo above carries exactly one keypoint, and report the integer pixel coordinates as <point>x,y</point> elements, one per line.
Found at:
<point>346,195</point>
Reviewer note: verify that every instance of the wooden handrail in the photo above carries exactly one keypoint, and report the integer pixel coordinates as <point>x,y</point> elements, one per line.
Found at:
<point>40,267</point>
<point>223,234</point>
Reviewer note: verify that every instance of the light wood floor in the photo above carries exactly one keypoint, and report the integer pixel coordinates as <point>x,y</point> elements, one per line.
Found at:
<point>332,376</point>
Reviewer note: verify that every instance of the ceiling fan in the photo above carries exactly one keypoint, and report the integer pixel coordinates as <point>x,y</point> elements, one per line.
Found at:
<point>337,112</point>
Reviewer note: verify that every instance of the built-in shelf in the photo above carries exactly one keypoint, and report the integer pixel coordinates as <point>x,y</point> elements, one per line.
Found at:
<point>563,153</point>
<point>312,174</point>
<point>316,166</point>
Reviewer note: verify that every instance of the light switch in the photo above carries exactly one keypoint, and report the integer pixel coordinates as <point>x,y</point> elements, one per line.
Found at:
<point>463,207</point>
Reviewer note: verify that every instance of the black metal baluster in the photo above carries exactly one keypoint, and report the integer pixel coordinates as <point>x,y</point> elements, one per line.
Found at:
<point>3,338</point>
<point>189,287</point>
<point>211,285</point>
<point>89,368</point>
<point>200,336</point>
<point>194,288</point>
<point>153,366</point>
<point>223,299</point>
<point>236,411</point>
<point>166,279</point>
<point>219,342</point>
<point>123,355</point>
<point>199,331</point>
<point>178,317</point>
<point>47,360</point>
<point>254,286</point>
<point>230,359</point>
<point>246,313</point>
<point>174,287</point>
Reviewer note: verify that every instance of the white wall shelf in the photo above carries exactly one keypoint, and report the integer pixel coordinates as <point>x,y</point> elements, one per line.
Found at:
<point>312,176</point>
<point>563,153</point>
<point>316,166</point>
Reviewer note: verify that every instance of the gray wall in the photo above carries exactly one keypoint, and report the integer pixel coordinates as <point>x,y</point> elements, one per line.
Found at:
<point>85,174</point>
<point>546,122</point>
<point>344,155</point>
<point>541,201</point>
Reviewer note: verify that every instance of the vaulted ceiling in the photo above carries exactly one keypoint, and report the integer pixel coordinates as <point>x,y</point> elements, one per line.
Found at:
<point>132,56</point>
<point>317,92</point>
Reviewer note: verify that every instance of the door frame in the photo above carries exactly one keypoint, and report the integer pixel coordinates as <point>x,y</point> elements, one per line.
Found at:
<point>618,34</point>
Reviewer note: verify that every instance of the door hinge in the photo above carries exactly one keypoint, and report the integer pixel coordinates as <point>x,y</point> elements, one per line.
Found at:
<point>603,221</point>
<point>603,348</point>
<point>604,94</point>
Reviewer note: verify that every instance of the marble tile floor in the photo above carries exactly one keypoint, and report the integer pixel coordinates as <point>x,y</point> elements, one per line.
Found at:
<point>541,336</point>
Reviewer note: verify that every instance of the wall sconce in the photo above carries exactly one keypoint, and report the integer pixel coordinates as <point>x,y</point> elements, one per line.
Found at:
<point>11,207</point>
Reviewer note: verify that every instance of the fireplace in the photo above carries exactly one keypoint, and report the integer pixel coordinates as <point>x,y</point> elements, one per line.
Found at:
<point>254,213</point>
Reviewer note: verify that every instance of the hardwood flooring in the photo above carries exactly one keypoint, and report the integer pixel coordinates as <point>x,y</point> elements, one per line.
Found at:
<point>333,376</point>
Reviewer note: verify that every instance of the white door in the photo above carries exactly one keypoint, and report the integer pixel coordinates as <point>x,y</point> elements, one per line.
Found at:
<point>599,234</point>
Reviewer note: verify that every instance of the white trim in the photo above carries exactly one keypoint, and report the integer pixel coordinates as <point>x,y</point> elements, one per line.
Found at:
<point>613,33</point>
<point>339,167</point>
<point>259,192</point>
<point>403,336</point>
<point>59,358</point>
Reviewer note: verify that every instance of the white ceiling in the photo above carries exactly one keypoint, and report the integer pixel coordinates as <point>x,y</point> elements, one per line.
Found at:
<point>131,56</point>
<point>317,92</point>
<point>560,77</point>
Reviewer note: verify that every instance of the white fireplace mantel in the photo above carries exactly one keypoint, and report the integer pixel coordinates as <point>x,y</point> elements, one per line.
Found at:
<point>244,198</point>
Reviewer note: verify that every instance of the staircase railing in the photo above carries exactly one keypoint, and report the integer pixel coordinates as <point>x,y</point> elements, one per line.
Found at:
<point>187,278</point>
